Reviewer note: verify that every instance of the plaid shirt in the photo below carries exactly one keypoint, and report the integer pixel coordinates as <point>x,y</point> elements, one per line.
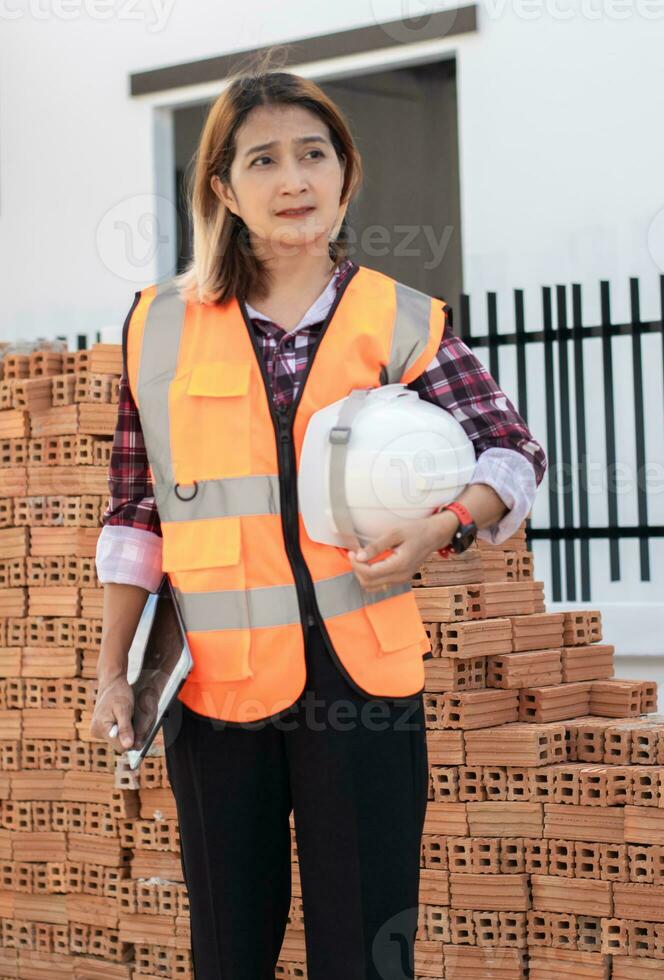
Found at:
<point>455,380</point>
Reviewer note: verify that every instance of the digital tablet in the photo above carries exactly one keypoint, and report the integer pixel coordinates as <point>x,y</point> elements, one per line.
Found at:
<point>160,647</point>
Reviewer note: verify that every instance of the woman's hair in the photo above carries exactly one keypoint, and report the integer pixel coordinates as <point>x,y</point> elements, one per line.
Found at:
<point>223,264</point>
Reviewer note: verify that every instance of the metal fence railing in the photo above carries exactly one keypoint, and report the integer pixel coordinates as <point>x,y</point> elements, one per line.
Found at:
<point>567,401</point>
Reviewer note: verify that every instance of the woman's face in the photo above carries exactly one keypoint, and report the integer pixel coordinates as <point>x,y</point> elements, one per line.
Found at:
<point>299,169</point>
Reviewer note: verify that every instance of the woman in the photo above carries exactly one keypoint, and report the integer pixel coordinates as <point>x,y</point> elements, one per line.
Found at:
<point>345,748</point>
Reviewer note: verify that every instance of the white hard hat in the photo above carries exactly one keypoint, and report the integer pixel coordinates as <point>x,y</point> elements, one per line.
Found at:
<point>376,458</point>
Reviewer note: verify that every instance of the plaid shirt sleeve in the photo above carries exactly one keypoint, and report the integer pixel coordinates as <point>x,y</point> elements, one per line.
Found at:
<point>456,380</point>
<point>131,500</point>
<point>509,459</point>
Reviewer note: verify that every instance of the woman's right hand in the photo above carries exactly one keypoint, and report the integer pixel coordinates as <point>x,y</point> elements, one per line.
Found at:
<point>114,705</point>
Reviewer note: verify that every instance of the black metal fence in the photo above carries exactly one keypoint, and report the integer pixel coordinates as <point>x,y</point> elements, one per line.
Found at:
<point>563,346</point>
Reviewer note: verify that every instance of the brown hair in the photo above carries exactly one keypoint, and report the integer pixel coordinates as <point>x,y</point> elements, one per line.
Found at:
<point>223,264</point>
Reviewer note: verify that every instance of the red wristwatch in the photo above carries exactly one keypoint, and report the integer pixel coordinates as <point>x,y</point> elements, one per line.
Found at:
<point>464,535</point>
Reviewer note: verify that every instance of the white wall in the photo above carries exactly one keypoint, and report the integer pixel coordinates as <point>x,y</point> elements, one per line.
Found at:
<point>561,156</point>
<point>561,150</point>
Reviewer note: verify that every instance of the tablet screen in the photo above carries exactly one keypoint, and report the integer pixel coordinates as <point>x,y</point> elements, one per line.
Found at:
<point>165,662</point>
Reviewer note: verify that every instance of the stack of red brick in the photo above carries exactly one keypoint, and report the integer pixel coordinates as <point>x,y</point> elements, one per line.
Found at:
<point>91,878</point>
<point>543,850</point>
<point>543,847</point>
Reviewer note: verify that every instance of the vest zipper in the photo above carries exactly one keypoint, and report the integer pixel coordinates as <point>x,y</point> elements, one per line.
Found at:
<point>289,513</point>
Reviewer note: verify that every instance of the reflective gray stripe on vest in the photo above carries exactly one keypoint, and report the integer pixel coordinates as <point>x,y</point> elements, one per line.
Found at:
<point>239,608</point>
<point>158,361</point>
<point>276,605</point>
<point>234,496</point>
<point>228,497</point>
<point>342,593</point>
<point>411,331</point>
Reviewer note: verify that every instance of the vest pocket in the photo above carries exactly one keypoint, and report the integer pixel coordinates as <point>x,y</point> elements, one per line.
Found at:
<point>204,543</point>
<point>396,622</point>
<point>211,421</point>
<point>205,559</point>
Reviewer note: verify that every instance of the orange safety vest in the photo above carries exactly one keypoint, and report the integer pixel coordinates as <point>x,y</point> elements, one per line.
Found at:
<point>248,579</point>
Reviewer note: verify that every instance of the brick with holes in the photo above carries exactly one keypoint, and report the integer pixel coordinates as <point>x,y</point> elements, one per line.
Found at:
<point>553,893</point>
<point>554,703</point>
<point>479,709</point>
<point>528,669</point>
<point>554,964</point>
<point>516,745</point>
<point>587,663</point>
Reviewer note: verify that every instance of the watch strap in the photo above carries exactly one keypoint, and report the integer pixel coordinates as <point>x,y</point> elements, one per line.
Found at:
<point>461,512</point>
<point>464,517</point>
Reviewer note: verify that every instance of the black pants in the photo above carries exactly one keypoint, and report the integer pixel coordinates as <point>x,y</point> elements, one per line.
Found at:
<point>354,771</point>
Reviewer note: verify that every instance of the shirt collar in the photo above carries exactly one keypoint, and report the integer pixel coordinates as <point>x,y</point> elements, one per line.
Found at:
<point>316,312</point>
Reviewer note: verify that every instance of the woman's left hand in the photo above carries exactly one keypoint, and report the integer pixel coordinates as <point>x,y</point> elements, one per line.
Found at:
<point>412,544</point>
